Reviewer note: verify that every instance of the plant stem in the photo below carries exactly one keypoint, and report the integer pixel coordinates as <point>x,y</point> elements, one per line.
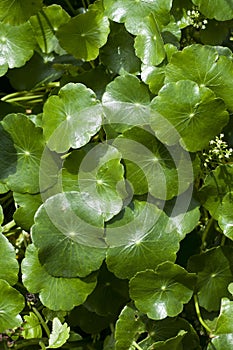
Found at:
<point>43,323</point>
<point>136,345</point>
<point>198,312</point>
<point>206,231</point>
<point>70,6</point>
<point>28,342</point>
<point>8,226</point>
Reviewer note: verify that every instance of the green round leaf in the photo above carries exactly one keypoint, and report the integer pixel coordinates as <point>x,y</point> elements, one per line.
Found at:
<point>67,227</point>
<point>220,342</point>
<point>29,146</point>
<point>149,44</point>
<point>16,46</point>
<point>135,239</point>
<point>126,102</point>
<point>188,112</point>
<point>11,304</point>
<point>18,11</point>
<point>216,185</point>
<point>55,293</point>
<point>9,265</point>
<point>84,34</point>
<point>207,67</point>
<point>1,216</point>
<point>99,176</point>
<point>118,54</point>
<point>71,118</point>
<point>31,327</point>
<point>162,292</point>
<point>147,159</point>
<point>46,24</point>
<point>153,77</point>
<point>222,10</point>
<point>214,273</point>
<point>132,13</point>
<point>224,321</point>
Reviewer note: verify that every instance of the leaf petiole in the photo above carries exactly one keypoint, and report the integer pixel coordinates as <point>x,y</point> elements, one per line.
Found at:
<point>42,322</point>
<point>136,345</point>
<point>198,312</point>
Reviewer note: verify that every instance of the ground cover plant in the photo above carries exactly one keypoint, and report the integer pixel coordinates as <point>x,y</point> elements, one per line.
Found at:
<point>116,175</point>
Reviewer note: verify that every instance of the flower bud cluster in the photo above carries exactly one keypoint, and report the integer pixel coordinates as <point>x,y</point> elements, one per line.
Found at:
<point>218,152</point>
<point>196,19</point>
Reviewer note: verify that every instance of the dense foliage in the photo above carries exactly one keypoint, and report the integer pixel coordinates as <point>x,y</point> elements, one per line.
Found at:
<point>116,175</point>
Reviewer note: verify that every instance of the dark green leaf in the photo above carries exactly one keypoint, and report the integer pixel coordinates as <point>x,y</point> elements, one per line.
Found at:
<point>67,227</point>
<point>53,291</point>
<point>71,118</point>
<point>162,292</point>
<point>187,113</point>
<point>222,10</point>
<point>18,11</point>
<point>141,239</point>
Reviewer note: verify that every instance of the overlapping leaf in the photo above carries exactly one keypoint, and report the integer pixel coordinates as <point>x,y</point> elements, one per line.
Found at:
<point>67,227</point>
<point>221,10</point>
<point>46,24</point>
<point>123,11</point>
<point>53,291</point>
<point>150,166</point>
<point>214,273</point>
<point>207,67</point>
<point>139,239</point>
<point>126,102</point>
<point>31,327</point>
<point>185,112</point>
<point>18,11</point>
<point>27,145</point>
<point>84,34</point>
<point>11,304</point>
<point>71,118</point>
<point>162,292</point>
<point>149,44</point>
<point>16,46</point>
<point>225,218</point>
<point>9,265</point>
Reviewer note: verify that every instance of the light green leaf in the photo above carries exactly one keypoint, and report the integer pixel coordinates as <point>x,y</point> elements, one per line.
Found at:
<point>207,67</point>
<point>224,321</point>
<point>126,102</point>
<point>16,46</point>
<point>29,145</point>
<point>147,159</point>
<point>101,180</point>
<point>149,44</point>
<point>162,292</point>
<point>140,238</point>
<point>53,291</point>
<point>214,273</point>
<point>132,13</point>
<point>9,265</point>
<point>119,54</point>
<point>153,77</point>
<point>31,327</point>
<point>1,215</point>
<point>18,11</point>
<point>225,218</point>
<point>60,334</point>
<point>187,113</point>
<point>45,25</point>
<point>84,34</point>
<point>216,185</point>
<point>220,342</point>
<point>67,227</point>
<point>71,118</point>
<point>172,343</point>
<point>222,10</point>
<point>11,304</point>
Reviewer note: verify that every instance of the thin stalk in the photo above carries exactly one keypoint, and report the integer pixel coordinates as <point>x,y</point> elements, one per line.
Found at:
<point>223,240</point>
<point>9,226</point>
<point>28,342</point>
<point>198,312</point>
<point>24,98</point>
<point>136,346</point>
<point>206,231</point>
<point>42,322</point>
<point>70,6</point>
